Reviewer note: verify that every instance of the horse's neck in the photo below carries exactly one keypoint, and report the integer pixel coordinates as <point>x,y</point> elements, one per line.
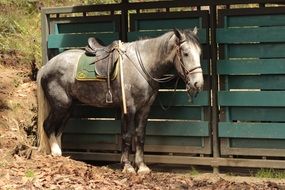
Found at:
<point>157,54</point>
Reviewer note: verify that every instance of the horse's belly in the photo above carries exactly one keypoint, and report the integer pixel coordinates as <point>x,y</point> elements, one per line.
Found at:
<point>94,93</point>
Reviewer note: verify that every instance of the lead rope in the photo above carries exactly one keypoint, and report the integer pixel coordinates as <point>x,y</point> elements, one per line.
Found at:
<point>159,80</point>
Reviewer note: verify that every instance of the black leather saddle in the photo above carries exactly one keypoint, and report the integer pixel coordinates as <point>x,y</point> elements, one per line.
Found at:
<point>105,57</point>
<point>105,61</point>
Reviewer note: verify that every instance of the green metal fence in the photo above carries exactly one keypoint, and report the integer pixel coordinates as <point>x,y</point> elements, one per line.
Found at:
<point>238,119</point>
<point>252,68</point>
<point>184,127</point>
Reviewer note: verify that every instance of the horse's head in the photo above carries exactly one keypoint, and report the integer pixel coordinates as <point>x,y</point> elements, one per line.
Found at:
<point>187,60</point>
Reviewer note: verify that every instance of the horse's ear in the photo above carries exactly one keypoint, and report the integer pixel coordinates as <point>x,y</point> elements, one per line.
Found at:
<point>179,34</point>
<point>195,30</point>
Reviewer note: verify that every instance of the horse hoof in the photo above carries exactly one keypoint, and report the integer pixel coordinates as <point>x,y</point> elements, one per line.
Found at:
<point>129,169</point>
<point>56,151</point>
<point>144,170</point>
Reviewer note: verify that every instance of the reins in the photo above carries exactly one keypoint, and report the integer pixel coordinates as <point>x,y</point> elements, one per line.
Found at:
<point>159,80</point>
<point>148,77</point>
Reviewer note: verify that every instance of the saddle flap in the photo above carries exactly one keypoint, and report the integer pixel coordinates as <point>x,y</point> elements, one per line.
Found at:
<point>104,61</point>
<point>99,66</point>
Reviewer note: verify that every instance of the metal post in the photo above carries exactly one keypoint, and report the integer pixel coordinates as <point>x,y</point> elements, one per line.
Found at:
<point>45,30</point>
<point>124,20</point>
<point>214,124</point>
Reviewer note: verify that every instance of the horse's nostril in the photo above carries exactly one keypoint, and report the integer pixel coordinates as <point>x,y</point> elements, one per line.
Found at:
<point>196,84</point>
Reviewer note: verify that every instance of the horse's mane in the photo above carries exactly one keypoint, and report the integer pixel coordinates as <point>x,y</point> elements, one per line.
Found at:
<point>190,35</point>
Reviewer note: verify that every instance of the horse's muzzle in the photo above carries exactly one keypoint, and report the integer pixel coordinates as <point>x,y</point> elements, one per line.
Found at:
<point>193,90</point>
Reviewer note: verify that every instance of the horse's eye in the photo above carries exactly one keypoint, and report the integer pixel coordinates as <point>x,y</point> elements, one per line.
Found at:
<point>185,54</point>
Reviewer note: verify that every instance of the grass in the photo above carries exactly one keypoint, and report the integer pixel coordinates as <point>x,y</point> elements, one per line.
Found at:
<point>20,27</point>
<point>20,31</point>
<point>2,164</point>
<point>194,171</point>
<point>30,174</point>
<point>269,173</point>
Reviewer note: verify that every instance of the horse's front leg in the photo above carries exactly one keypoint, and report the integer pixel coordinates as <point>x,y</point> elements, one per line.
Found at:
<point>127,134</point>
<point>141,121</point>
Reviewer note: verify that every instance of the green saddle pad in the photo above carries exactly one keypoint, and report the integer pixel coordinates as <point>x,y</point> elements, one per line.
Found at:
<point>86,70</point>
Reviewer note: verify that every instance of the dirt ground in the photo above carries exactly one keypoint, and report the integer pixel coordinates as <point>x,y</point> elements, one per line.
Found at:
<point>21,167</point>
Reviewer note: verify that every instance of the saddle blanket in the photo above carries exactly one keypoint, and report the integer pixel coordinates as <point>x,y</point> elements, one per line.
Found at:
<point>86,70</point>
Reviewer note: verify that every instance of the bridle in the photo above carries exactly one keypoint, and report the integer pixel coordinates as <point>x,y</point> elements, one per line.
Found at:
<point>184,69</point>
<point>149,78</point>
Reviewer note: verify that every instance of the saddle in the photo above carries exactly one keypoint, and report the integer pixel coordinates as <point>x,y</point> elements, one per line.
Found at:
<point>105,61</point>
<point>105,57</point>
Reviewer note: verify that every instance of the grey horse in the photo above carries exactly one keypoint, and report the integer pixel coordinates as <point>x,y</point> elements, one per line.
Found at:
<point>144,62</point>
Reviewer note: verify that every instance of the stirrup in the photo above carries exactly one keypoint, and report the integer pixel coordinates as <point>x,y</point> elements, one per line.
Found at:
<point>109,97</point>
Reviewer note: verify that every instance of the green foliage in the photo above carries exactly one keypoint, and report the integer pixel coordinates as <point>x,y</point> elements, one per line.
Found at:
<point>20,30</point>
<point>20,26</point>
<point>193,171</point>
<point>270,173</point>
<point>30,174</point>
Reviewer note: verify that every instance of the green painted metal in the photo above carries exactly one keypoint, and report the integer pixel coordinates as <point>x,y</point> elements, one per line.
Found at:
<point>86,27</point>
<point>268,50</point>
<point>158,128</point>
<point>93,126</point>
<point>252,130</point>
<point>178,128</point>
<point>136,35</point>
<point>263,82</point>
<point>190,126</point>
<point>252,74</point>
<point>174,141</point>
<point>174,112</point>
<point>78,40</point>
<point>251,98</point>
<point>84,111</point>
<point>273,144</point>
<point>167,24</point>
<point>246,35</point>
<point>179,98</point>
<point>88,139</point>
<point>258,114</point>
<point>249,67</point>
<point>255,20</point>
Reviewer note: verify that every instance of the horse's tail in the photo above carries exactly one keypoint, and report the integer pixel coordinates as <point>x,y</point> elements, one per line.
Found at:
<point>43,111</point>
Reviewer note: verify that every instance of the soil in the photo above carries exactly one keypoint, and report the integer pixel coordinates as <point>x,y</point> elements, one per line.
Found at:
<point>22,167</point>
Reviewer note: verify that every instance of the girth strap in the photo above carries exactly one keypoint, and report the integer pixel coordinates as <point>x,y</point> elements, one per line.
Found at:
<point>95,49</point>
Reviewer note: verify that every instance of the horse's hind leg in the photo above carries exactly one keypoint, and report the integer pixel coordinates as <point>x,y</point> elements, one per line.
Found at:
<point>53,126</point>
<point>60,105</point>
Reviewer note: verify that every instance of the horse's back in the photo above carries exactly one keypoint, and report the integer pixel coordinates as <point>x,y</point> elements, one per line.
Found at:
<point>63,63</point>
<point>60,71</point>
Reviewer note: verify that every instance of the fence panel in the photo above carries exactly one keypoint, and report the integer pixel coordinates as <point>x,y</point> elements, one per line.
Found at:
<point>251,69</point>
<point>88,129</point>
<point>184,127</point>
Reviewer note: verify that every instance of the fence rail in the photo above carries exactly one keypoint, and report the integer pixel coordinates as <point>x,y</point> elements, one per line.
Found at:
<point>238,120</point>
